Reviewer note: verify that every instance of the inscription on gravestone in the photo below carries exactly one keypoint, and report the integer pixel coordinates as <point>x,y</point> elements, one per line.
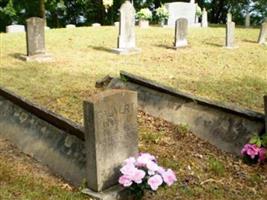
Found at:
<point>111,135</point>
<point>230,35</point>
<point>35,36</point>
<point>181,29</point>
<point>126,40</point>
<point>263,34</point>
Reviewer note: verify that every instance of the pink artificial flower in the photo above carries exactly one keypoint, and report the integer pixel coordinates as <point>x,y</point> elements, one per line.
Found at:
<point>145,158</point>
<point>152,166</point>
<point>161,170</point>
<point>130,160</point>
<point>169,177</point>
<point>251,150</point>
<point>125,181</point>
<point>262,154</point>
<point>128,170</point>
<point>155,181</point>
<point>138,176</point>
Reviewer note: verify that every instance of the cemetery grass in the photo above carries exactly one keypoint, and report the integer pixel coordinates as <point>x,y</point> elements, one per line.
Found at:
<point>83,55</point>
<point>203,172</point>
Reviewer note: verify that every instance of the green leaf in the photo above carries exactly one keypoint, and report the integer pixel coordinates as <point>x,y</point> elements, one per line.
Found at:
<point>264,140</point>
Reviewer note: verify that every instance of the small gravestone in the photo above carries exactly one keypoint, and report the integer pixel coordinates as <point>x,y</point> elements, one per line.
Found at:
<point>117,24</point>
<point>36,40</point>
<point>204,22</point>
<point>230,35</point>
<point>126,40</point>
<point>229,17</point>
<point>15,29</point>
<point>181,29</point>
<point>110,136</point>
<point>263,34</point>
<point>247,20</point>
<point>96,25</point>
<point>70,26</point>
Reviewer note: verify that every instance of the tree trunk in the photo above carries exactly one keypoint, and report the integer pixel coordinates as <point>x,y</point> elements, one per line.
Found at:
<point>42,8</point>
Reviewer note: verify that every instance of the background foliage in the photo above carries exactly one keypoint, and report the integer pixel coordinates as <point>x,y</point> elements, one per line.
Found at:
<point>83,12</point>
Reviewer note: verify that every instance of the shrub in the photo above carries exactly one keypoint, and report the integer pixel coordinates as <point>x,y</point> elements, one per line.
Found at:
<point>144,14</point>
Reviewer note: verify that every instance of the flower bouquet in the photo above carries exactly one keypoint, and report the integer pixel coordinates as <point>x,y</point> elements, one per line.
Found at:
<point>143,173</point>
<point>144,15</point>
<point>162,14</point>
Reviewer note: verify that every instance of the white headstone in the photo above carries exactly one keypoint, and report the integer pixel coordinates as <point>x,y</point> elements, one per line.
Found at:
<point>15,28</point>
<point>263,34</point>
<point>96,25</point>
<point>181,29</point>
<point>117,24</point>
<point>181,10</point>
<point>230,35</point>
<point>126,39</point>
<point>70,26</point>
<point>247,20</point>
<point>204,22</point>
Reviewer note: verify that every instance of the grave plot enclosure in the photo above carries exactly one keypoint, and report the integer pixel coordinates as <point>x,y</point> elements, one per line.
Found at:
<point>93,154</point>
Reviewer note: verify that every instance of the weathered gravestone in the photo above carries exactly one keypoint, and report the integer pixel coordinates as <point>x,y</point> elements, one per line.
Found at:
<point>181,29</point>
<point>204,22</point>
<point>263,34</point>
<point>247,20</point>
<point>36,40</point>
<point>230,35</point>
<point>15,28</point>
<point>126,40</point>
<point>229,17</point>
<point>111,136</point>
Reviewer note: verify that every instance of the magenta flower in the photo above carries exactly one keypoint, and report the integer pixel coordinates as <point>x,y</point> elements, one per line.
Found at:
<point>251,150</point>
<point>155,181</point>
<point>128,170</point>
<point>125,181</point>
<point>169,177</point>
<point>262,154</point>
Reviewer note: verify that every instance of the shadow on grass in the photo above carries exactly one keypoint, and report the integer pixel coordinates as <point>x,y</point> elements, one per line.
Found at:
<point>99,48</point>
<point>18,56</point>
<point>164,46</point>
<point>214,44</point>
<point>249,41</point>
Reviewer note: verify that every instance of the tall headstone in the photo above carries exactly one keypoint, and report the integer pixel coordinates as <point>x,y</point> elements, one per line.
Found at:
<point>247,20</point>
<point>126,40</point>
<point>230,35</point>
<point>181,29</point>
<point>229,17</point>
<point>35,36</point>
<point>204,22</point>
<point>265,109</point>
<point>110,135</point>
<point>15,28</point>
<point>263,34</point>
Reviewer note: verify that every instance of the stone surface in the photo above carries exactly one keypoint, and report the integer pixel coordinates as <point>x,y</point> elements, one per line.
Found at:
<point>15,28</point>
<point>226,127</point>
<point>265,109</point>
<point>247,20</point>
<point>230,35</point>
<point>35,36</point>
<point>96,25</point>
<point>263,34</point>
<point>126,40</point>
<point>38,58</point>
<point>181,29</point>
<point>111,135</point>
<point>61,151</point>
<point>143,23</point>
<point>204,21</point>
<point>181,10</point>
<point>70,26</point>
<point>229,17</point>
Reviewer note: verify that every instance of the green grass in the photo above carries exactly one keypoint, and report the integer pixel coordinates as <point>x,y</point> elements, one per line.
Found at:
<point>82,56</point>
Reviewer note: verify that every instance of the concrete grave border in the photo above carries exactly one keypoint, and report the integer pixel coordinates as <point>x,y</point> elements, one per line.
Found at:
<point>225,126</point>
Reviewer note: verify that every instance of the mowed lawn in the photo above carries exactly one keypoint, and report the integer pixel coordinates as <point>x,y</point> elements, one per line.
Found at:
<point>83,55</point>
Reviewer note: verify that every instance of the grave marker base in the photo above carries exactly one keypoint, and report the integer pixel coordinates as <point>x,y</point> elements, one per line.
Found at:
<point>38,58</point>
<point>113,193</point>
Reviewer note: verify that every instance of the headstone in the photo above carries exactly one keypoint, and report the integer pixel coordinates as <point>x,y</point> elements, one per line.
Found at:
<point>15,28</point>
<point>110,135</point>
<point>181,29</point>
<point>230,35</point>
<point>96,25</point>
<point>247,20</point>
<point>117,24</point>
<point>181,10</point>
<point>229,17</point>
<point>192,1</point>
<point>36,40</point>
<point>70,26</point>
<point>204,22</point>
<point>47,28</point>
<point>265,109</point>
<point>263,34</point>
<point>126,40</point>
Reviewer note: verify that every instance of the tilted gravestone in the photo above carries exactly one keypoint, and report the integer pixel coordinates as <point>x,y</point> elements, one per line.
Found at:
<point>36,40</point>
<point>181,29</point>
<point>230,35</point>
<point>126,40</point>
<point>263,34</point>
<point>247,20</point>
<point>110,120</point>
<point>204,22</point>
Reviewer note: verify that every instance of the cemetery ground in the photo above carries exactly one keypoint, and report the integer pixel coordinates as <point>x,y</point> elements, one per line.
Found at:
<point>205,68</point>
